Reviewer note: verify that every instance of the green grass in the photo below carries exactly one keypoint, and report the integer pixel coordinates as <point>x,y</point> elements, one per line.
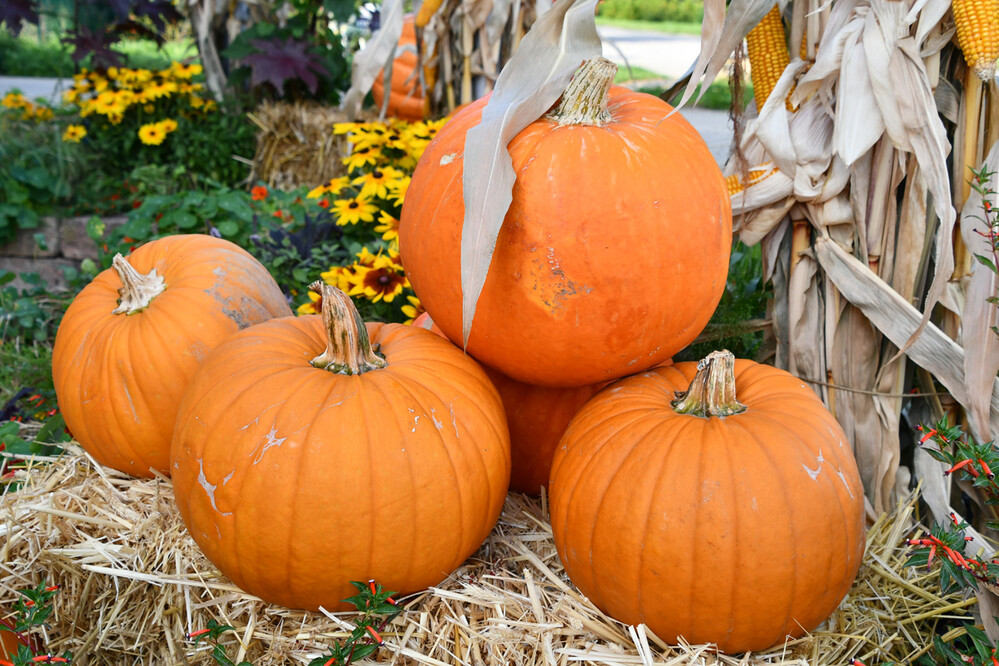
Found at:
<point>625,74</point>
<point>25,365</point>
<point>667,27</point>
<point>29,56</point>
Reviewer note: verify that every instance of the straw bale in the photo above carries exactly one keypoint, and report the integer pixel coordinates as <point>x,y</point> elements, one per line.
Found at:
<point>296,145</point>
<point>134,584</point>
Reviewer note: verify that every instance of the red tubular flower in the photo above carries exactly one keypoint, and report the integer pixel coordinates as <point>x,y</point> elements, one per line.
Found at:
<point>199,632</point>
<point>374,635</point>
<point>927,435</point>
<point>957,466</point>
<point>985,468</point>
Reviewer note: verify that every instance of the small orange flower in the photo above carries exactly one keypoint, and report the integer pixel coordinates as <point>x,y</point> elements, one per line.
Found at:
<point>258,193</point>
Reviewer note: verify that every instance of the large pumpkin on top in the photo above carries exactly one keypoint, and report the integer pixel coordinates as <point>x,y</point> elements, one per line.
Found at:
<point>717,501</point>
<point>614,251</point>
<point>308,455</point>
<point>131,340</point>
<point>405,93</point>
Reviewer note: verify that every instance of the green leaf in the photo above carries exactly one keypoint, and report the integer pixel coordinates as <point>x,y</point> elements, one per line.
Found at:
<point>53,430</point>
<point>228,228</point>
<point>985,261</point>
<point>362,651</point>
<point>238,204</point>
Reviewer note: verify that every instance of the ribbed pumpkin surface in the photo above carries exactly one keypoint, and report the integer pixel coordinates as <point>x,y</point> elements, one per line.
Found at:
<point>739,530</point>
<point>405,93</point>
<point>119,378</point>
<point>612,257</point>
<point>295,481</point>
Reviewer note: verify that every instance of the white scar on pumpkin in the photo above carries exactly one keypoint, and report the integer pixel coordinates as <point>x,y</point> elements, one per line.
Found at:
<point>447,159</point>
<point>257,420</point>
<point>210,488</point>
<point>433,417</point>
<point>842,477</point>
<point>130,403</point>
<point>814,473</point>
<point>272,440</point>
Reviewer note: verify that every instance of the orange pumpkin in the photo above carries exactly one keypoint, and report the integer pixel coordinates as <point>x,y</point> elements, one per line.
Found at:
<point>297,473</point>
<point>536,416</point>
<point>735,524</point>
<point>132,338</point>
<point>611,258</point>
<point>405,93</point>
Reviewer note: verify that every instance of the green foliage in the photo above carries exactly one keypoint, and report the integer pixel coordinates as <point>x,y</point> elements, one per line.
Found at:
<point>27,55</point>
<point>294,57</point>
<point>31,611</point>
<point>31,312</point>
<point>678,11</point>
<point>35,170</point>
<point>374,603</point>
<point>744,300</point>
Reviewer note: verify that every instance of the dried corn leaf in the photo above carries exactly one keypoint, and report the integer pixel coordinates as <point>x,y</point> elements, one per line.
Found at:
<point>529,85</point>
<point>721,32</point>
<point>979,317</point>
<point>377,54</point>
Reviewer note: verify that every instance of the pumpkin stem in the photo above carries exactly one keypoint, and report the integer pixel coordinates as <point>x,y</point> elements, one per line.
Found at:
<point>584,101</point>
<point>138,290</point>
<point>712,392</point>
<point>348,349</point>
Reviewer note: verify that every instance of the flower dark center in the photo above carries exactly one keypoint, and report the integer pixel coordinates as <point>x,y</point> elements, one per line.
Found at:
<point>353,205</point>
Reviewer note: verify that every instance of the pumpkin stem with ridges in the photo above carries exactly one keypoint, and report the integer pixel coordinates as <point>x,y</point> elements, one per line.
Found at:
<point>584,101</point>
<point>138,290</point>
<point>348,348</point>
<point>712,391</point>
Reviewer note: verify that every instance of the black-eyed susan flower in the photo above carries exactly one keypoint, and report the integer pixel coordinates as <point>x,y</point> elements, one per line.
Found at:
<point>310,307</point>
<point>413,309</point>
<point>375,183</point>
<point>354,210</point>
<point>152,134</point>
<point>361,158</point>
<point>167,125</point>
<point>397,190</point>
<point>388,226</point>
<point>74,133</point>
<point>333,187</point>
<point>381,282</point>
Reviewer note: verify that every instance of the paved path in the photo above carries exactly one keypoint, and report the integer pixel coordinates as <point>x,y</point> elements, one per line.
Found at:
<point>668,55</point>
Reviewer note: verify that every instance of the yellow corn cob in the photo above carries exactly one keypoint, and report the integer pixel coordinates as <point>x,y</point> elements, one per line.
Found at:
<point>768,55</point>
<point>977,23</point>
<point>753,176</point>
<point>427,10</point>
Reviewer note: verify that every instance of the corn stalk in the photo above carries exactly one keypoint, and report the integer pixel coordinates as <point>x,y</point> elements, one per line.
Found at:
<point>858,222</point>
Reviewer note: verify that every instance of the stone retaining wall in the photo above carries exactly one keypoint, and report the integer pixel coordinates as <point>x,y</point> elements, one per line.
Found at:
<point>66,244</point>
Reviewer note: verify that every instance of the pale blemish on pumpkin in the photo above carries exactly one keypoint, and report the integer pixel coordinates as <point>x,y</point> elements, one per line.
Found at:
<point>209,488</point>
<point>842,477</point>
<point>131,404</point>
<point>754,505</point>
<point>199,350</point>
<point>437,424</point>
<point>271,440</point>
<point>454,422</point>
<point>257,420</point>
<point>448,158</point>
<point>814,473</point>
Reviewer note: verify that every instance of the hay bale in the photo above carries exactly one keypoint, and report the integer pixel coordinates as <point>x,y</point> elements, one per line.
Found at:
<point>296,145</point>
<point>134,584</point>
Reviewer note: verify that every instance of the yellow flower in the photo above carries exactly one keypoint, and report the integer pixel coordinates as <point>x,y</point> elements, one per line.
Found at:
<point>158,90</point>
<point>107,103</point>
<point>413,310</point>
<point>210,106</point>
<point>181,71</point>
<point>43,113</point>
<point>384,280</point>
<point>14,100</point>
<point>100,83</point>
<point>354,210</point>
<point>388,226</point>
<point>310,307</point>
<point>167,125</point>
<point>196,102</point>
<point>333,187</point>
<point>112,73</point>
<point>152,134</point>
<point>397,190</point>
<point>148,108</point>
<point>71,95</point>
<point>345,128</point>
<point>74,133</point>
<point>360,158</point>
<point>338,277</point>
<point>375,183</point>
